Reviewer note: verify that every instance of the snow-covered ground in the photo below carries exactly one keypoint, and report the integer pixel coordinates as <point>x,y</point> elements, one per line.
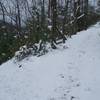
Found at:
<point>72,73</point>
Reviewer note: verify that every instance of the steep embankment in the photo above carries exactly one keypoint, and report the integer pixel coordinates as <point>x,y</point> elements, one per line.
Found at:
<point>64,74</point>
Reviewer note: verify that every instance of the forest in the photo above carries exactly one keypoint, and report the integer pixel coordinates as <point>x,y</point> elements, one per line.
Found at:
<point>28,26</point>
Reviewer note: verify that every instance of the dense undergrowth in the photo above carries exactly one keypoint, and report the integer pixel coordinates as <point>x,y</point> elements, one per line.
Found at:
<point>10,42</point>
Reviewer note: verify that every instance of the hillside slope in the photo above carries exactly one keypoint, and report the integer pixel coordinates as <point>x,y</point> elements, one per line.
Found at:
<point>72,73</point>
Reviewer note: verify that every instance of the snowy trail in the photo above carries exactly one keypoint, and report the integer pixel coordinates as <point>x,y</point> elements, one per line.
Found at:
<point>63,74</point>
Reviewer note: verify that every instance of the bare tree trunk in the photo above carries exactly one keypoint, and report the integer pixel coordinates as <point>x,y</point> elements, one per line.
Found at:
<point>42,14</point>
<point>49,9</point>
<point>54,18</point>
<point>54,22</point>
<point>3,12</point>
<point>86,7</point>
<point>18,17</point>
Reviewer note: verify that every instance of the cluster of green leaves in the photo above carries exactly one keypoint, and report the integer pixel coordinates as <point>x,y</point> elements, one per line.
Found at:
<point>7,41</point>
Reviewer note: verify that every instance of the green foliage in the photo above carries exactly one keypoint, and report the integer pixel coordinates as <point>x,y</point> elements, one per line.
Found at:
<point>6,45</point>
<point>62,22</point>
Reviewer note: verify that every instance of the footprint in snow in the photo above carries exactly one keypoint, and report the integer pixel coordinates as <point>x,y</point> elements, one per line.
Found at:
<point>88,89</point>
<point>82,52</point>
<point>70,63</point>
<point>74,98</point>
<point>20,66</point>
<point>61,75</point>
